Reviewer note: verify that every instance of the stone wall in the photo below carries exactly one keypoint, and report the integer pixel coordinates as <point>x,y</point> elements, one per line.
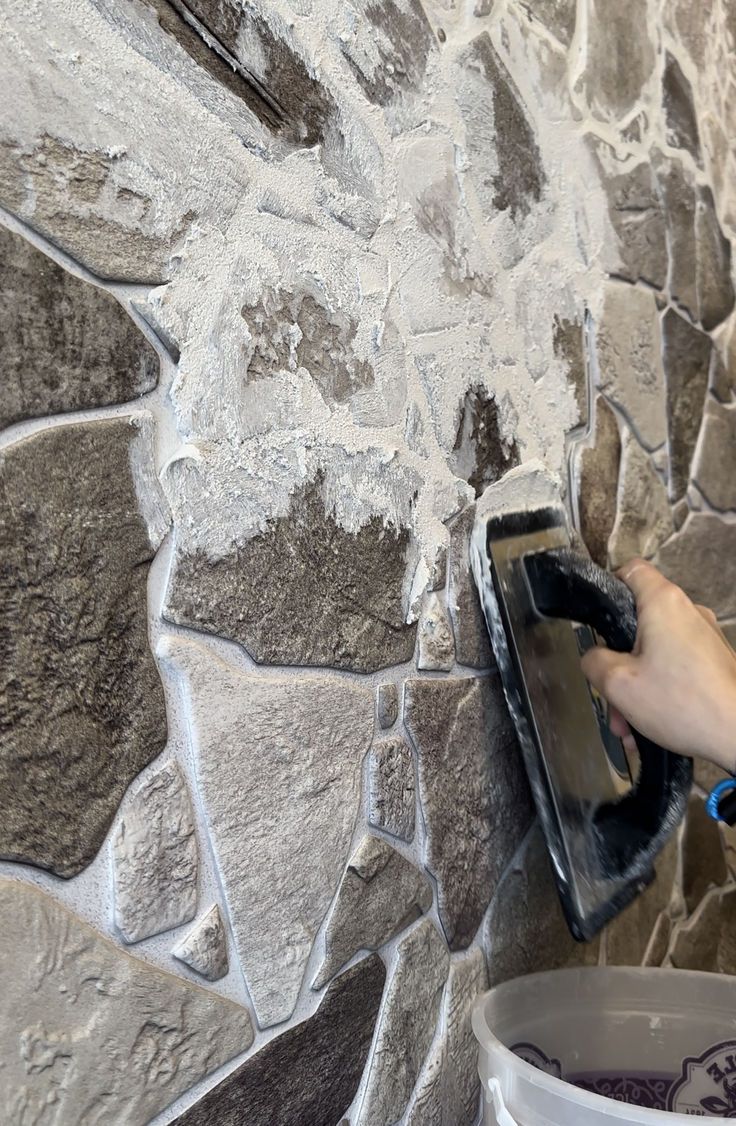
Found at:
<point>284,286</point>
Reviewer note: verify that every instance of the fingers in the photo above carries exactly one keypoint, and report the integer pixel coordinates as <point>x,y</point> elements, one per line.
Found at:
<point>641,578</point>
<point>708,615</point>
<point>610,673</point>
<point>619,726</point>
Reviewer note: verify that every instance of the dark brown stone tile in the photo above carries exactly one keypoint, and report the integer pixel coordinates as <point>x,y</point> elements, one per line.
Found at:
<point>304,592</point>
<point>694,559</point>
<point>480,455</point>
<point>389,55</point>
<point>686,357</point>
<point>599,470</point>
<point>66,344</point>
<point>310,1073</point>
<point>635,210</point>
<point>569,345</point>
<point>680,118</point>
<point>81,704</point>
<point>472,646</point>
<point>473,791</point>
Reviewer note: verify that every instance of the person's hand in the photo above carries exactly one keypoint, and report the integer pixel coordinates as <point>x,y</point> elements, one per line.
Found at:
<point>678,687</point>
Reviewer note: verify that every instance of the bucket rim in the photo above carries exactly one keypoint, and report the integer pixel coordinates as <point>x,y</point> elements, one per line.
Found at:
<point>489,1043</point>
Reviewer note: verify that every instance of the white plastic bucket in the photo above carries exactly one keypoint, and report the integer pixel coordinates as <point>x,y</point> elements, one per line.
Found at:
<point>666,1038</point>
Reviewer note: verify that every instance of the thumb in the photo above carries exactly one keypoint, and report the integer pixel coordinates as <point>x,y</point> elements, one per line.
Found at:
<point>610,673</point>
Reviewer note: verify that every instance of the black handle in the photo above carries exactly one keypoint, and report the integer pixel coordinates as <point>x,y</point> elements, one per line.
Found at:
<point>567,585</point>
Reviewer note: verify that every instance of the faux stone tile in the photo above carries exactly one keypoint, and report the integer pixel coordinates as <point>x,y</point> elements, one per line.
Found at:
<point>598,488</point>
<point>526,930</point>
<point>279,764</point>
<point>630,361</point>
<point>714,470</point>
<point>714,286</point>
<point>644,517</point>
<point>617,64</point>
<point>406,1024</point>
<point>680,118</point>
<point>61,191</point>
<point>659,942</point>
<point>637,217</point>
<point>81,703</point>
<point>67,345</point>
<point>387,705</point>
<point>310,1073</point>
<point>703,862</point>
<point>448,1089</point>
<point>304,592</point>
<point>380,894</point>
<point>558,16</point>
<point>679,200</point>
<point>514,173</point>
<point>473,790</point>
<point>436,640</point>
<point>481,455</point>
<point>92,1033</point>
<point>472,646</point>
<point>391,57</point>
<point>204,949</point>
<point>391,795</point>
<point>723,366</point>
<point>708,940</point>
<point>155,860</point>
<point>687,354</point>
<point>630,934</point>
<point>694,557</point>
<point>690,24</point>
<point>569,347</point>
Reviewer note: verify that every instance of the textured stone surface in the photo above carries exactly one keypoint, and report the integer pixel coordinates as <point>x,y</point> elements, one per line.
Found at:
<point>714,470</point>
<point>473,791</point>
<point>81,704</point>
<point>63,191</point>
<point>481,455</point>
<point>708,940</point>
<point>311,1072</point>
<point>472,646</point>
<point>656,951</point>
<point>686,363</point>
<point>617,63</point>
<point>526,930</point>
<point>436,640</point>
<point>406,1025</point>
<point>304,592</point>
<point>387,705</point>
<point>155,861</point>
<point>644,517</point>
<point>713,282</point>
<point>66,344</point>
<point>516,176</point>
<point>448,1088</point>
<point>680,118</point>
<point>379,895</point>
<point>630,934</point>
<point>703,861</point>
<point>635,211</point>
<point>558,16</point>
<point>301,743</point>
<point>599,470</point>
<point>569,347</point>
<point>391,57</point>
<point>89,1034</point>
<point>204,949</point>
<point>723,367</point>
<point>630,362</point>
<point>694,557</point>
<point>391,792</point>
<point>679,201</point>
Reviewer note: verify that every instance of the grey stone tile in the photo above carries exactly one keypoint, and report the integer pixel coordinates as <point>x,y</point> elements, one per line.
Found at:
<point>387,705</point>
<point>472,646</point>
<point>569,346</point>
<point>155,859</point>
<point>637,216</point>
<point>406,1024</point>
<point>690,25</point>
<point>391,58</point>
<point>558,16</point>
<point>723,365</point>
<point>618,64</point>
<point>481,455</point>
<point>680,118</point>
<point>391,791</point>
<point>81,703</point>
<point>679,201</point>
<point>714,285</point>
<point>708,940</point>
<point>687,355</point>
<point>714,470</point>
<point>526,930</point>
<point>90,1031</point>
<point>436,640</point>
<point>279,763</point>
<point>473,790</point>
<point>448,1089</point>
<point>644,517</point>
<point>204,949</point>
<point>304,592</point>
<point>310,1073</point>
<point>630,934</point>
<point>511,179</point>
<point>694,557</point>
<point>703,860</point>
<point>629,349</point>
<point>67,344</point>
<point>380,894</point>
<point>598,486</point>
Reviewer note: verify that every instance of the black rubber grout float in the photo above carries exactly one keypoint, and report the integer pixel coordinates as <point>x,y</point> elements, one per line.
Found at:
<point>605,809</point>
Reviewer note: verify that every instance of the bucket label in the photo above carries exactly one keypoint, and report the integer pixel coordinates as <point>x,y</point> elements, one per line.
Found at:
<point>530,1053</point>
<point>707,1085</point>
